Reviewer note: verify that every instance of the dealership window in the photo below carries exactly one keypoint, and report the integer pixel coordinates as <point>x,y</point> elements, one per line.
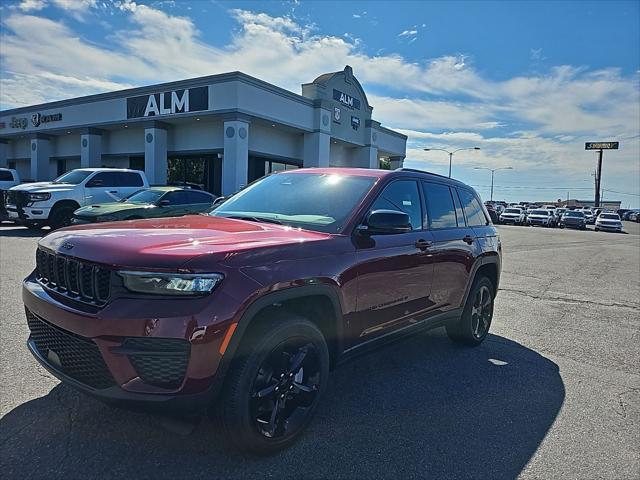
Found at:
<point>197,171</point>
<point>61,167</point>
<point>12,165</point>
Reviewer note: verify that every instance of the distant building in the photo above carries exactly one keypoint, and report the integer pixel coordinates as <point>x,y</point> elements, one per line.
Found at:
<point>610,204</point>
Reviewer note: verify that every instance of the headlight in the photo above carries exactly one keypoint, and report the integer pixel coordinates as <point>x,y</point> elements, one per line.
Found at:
<point>39,197</point>
<point>171,283</point>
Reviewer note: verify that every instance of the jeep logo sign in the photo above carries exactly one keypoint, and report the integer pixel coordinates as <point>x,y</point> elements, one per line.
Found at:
<point>346,100</point>
<point>168,103</point>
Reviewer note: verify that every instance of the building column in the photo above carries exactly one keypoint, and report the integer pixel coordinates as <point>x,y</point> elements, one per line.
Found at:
<point>366,157</point>
<point>4,153</point>
<point>40,153</point>
<point>396,162</point>
<point>317,148</point>
<point>91,148</point>
<point>235,161</point>
<point>155,154</point>
<point>317,144</point>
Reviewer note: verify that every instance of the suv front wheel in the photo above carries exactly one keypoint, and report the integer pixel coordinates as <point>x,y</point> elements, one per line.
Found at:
<point>274,388</point>
<point>473,326</point>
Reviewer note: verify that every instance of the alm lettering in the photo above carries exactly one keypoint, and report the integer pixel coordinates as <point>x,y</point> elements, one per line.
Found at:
<point>346,99</point>
<point>178,105</point>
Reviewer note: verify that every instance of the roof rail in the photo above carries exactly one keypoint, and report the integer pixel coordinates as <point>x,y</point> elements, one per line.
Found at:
<point>416,170</point>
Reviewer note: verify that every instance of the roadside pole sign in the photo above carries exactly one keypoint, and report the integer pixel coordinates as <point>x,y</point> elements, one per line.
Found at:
<point>600,146</point>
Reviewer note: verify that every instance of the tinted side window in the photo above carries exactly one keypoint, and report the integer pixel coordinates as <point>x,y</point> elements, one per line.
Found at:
<point>129,179</point>
<point>440,205</point>
<point>200,197</point>
<point>104,179</point>
<point>5,176</point>
<point>177,198</point>
<point>472,208</point>
<point>456,202</point>
<point>402,196</point>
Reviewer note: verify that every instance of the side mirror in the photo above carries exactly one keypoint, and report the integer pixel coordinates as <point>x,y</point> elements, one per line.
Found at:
<point>386,222</point>
<point>164,203</point>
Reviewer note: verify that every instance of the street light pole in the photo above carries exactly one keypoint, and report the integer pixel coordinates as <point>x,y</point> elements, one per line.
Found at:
<point>493,171</point>
<point>450,153</point>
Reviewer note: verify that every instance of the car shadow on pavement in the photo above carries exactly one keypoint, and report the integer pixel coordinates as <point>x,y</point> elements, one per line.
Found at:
<point>17,231</point>
<point>420,408</point>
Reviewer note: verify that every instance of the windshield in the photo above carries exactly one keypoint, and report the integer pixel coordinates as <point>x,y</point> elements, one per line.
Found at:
<point>74,177</point>
<point>540,212</point>
<point>314,201</point>
<point>145,196</point>
<point>512,210</point>
<point>574,214</point>
<point>610,216</point>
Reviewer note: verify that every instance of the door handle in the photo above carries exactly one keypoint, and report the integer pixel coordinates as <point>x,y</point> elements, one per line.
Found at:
<point>113,191</point>
<point>468,239</point>
<point>423,244</point>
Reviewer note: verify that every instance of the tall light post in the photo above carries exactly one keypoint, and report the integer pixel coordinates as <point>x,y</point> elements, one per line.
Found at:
<point>450,153</point>
<point>493,170</point>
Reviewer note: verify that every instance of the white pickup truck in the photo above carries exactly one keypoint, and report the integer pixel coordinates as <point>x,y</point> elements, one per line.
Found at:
<point>8,178</point>
<point>53,203</point>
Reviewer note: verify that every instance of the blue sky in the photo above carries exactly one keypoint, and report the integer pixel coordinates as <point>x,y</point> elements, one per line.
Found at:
<point>527,82</point>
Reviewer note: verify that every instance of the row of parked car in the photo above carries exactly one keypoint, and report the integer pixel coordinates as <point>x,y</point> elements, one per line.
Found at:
<point>90,195</point>
<point>552,216</point>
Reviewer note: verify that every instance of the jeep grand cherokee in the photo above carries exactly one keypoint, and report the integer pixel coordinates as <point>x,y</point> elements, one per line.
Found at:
<point>247,309</point>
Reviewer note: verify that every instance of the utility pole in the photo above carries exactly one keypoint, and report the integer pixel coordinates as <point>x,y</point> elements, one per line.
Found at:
<point>598,178</point>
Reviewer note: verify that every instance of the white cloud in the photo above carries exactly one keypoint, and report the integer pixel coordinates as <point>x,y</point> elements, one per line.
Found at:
<point>408,33</point>
<point>31,5</point>
<point>443,100</point>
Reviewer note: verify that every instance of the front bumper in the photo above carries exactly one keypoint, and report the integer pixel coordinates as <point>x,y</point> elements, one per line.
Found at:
<point>514,221</point>
<point>574,225</point>
<point>28,214</point>
<point>609,228</point>
<point>535,221</point>
<point>102,355</point>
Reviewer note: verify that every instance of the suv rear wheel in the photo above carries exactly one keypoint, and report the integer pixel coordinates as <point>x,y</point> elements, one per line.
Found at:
<point>274,388</point>
<point>473,326</point>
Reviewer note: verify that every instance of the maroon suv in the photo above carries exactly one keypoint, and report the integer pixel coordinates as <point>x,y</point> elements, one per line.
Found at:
<point>246,310</point>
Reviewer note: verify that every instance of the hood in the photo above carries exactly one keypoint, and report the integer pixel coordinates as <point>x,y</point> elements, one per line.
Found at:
<point>169,243</point>
<point>43,187</point>
<point>109,208</point>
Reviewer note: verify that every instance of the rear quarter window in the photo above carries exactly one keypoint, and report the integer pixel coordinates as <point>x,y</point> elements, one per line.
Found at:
<point>472,208</point>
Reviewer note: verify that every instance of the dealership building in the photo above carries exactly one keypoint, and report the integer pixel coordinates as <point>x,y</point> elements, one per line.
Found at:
<point>220,132</point>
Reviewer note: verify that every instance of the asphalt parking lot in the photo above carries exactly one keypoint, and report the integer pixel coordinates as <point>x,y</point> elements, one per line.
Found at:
<point>554,392</point>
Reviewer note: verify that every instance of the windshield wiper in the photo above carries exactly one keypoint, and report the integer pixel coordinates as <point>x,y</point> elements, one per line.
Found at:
<point>255,219</point>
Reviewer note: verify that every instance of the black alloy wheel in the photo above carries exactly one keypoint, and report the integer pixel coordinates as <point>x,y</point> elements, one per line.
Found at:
<point>474,324</point>
<point>285,388</point>
<point>275,384</point>
<point>481,312</point>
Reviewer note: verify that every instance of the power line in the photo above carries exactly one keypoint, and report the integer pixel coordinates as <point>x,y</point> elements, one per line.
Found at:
<point>622,193</point>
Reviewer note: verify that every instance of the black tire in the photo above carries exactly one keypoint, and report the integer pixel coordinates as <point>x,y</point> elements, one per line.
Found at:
<point>34,226</point>
<point>61,216</point>
<point>473,326</point>
<point>267,363</point>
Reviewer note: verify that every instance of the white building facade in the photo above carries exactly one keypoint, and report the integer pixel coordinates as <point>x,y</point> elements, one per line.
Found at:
<point>219,132</point>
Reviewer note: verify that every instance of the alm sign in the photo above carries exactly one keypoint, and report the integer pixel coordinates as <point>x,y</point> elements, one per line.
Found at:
<point>346,99</point>
<point>168,103</point>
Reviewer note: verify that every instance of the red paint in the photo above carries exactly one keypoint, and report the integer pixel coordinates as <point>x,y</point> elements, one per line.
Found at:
<point>380,283</point>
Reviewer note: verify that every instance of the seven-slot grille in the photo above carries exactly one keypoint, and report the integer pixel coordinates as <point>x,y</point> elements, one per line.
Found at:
<point>76,279</point>
<point>73,355</point>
